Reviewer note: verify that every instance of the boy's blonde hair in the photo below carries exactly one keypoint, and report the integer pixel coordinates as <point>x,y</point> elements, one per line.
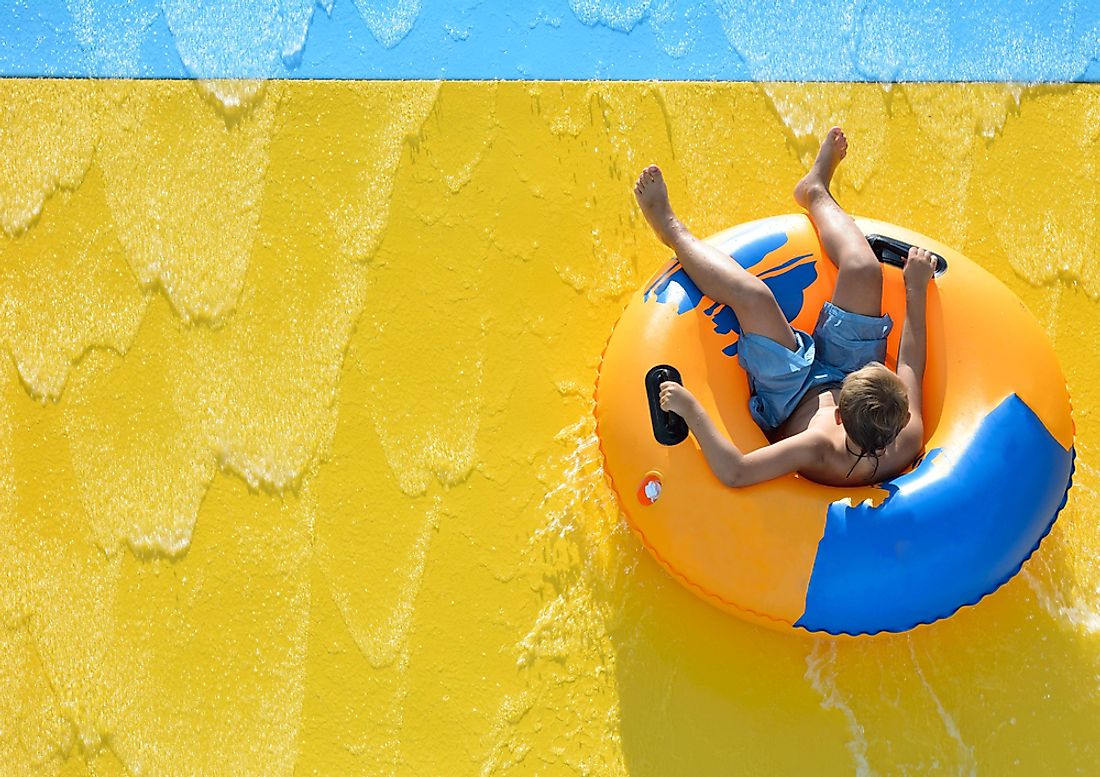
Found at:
<point>874,407</point>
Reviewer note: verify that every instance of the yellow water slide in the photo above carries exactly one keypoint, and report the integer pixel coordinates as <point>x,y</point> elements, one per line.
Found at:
<point>298,472</point>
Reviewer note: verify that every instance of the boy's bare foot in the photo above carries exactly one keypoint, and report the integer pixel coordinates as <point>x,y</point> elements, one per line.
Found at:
<point>833,148</point>
<point>652,196</point>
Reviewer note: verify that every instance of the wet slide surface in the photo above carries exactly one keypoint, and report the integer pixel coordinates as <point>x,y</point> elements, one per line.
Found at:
<point>297,466</point>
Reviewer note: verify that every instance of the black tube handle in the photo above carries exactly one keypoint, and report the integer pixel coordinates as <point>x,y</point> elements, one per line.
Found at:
<point>892,251</point>
<point>668,428</point>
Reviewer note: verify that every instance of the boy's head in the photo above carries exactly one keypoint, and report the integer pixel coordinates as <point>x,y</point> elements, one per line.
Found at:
<point>874,407</point>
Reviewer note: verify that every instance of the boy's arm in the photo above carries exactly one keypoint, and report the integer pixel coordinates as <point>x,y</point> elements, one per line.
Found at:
<point>919,267</point>
<point>726,461</point>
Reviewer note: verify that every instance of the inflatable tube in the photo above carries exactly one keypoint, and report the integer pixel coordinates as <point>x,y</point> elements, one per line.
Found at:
<point>793,553</point>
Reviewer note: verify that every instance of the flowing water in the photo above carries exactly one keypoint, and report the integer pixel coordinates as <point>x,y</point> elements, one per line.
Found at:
<point>297,464</point>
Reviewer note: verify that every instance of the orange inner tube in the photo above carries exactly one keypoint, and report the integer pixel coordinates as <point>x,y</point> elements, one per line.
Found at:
<point>752,551</point>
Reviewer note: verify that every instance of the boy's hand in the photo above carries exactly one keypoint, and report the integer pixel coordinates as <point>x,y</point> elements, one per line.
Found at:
<point>677,399</point>
<point>920,265</point>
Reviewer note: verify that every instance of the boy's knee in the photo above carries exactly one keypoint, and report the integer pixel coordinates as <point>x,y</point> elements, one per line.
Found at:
<point>862,266</point>
<point>757,293</point>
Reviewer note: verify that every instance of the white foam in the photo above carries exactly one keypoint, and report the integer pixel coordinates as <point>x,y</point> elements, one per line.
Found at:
<point>807,111</point>
<point>1075,611</point>
<point>457,33</point>
<point>621,15</point>
<point>232,98</point>
<point>47,141</point>
<point>968,764</point>
<point>381,633</point>
<point>914,40</point>
<point>295,20</point>
<point>566,655</point>
<point>675,26</point>
<point>761,34</point>
<point>241,38</point>
<point>1063,575</point>
<point>385,644</point>
<point>267,472</point>
<point>186,205</point>
<point>610,273</point>
<point>822,676</point>
<point>170,542</point>
<point>389,21</point>
<point>111,34</point>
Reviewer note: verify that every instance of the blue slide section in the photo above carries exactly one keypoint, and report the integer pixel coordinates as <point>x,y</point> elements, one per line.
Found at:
<point>949,532</point>
<point>736,40</point>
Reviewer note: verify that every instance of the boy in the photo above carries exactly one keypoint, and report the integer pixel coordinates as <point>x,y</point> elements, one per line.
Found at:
<point>831,410</point>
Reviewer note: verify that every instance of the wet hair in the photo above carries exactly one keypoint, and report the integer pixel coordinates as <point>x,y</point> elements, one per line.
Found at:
<point>874,406</point>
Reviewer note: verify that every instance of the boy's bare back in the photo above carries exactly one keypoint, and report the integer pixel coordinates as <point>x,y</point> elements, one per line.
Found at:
<point>815,425</point>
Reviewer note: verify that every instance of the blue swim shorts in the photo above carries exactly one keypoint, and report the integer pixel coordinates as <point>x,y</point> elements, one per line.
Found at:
<point>842,343</point>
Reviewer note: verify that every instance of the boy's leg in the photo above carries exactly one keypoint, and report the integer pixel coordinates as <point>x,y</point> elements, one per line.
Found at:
<point>859,278</point>
<point>715,273</point>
